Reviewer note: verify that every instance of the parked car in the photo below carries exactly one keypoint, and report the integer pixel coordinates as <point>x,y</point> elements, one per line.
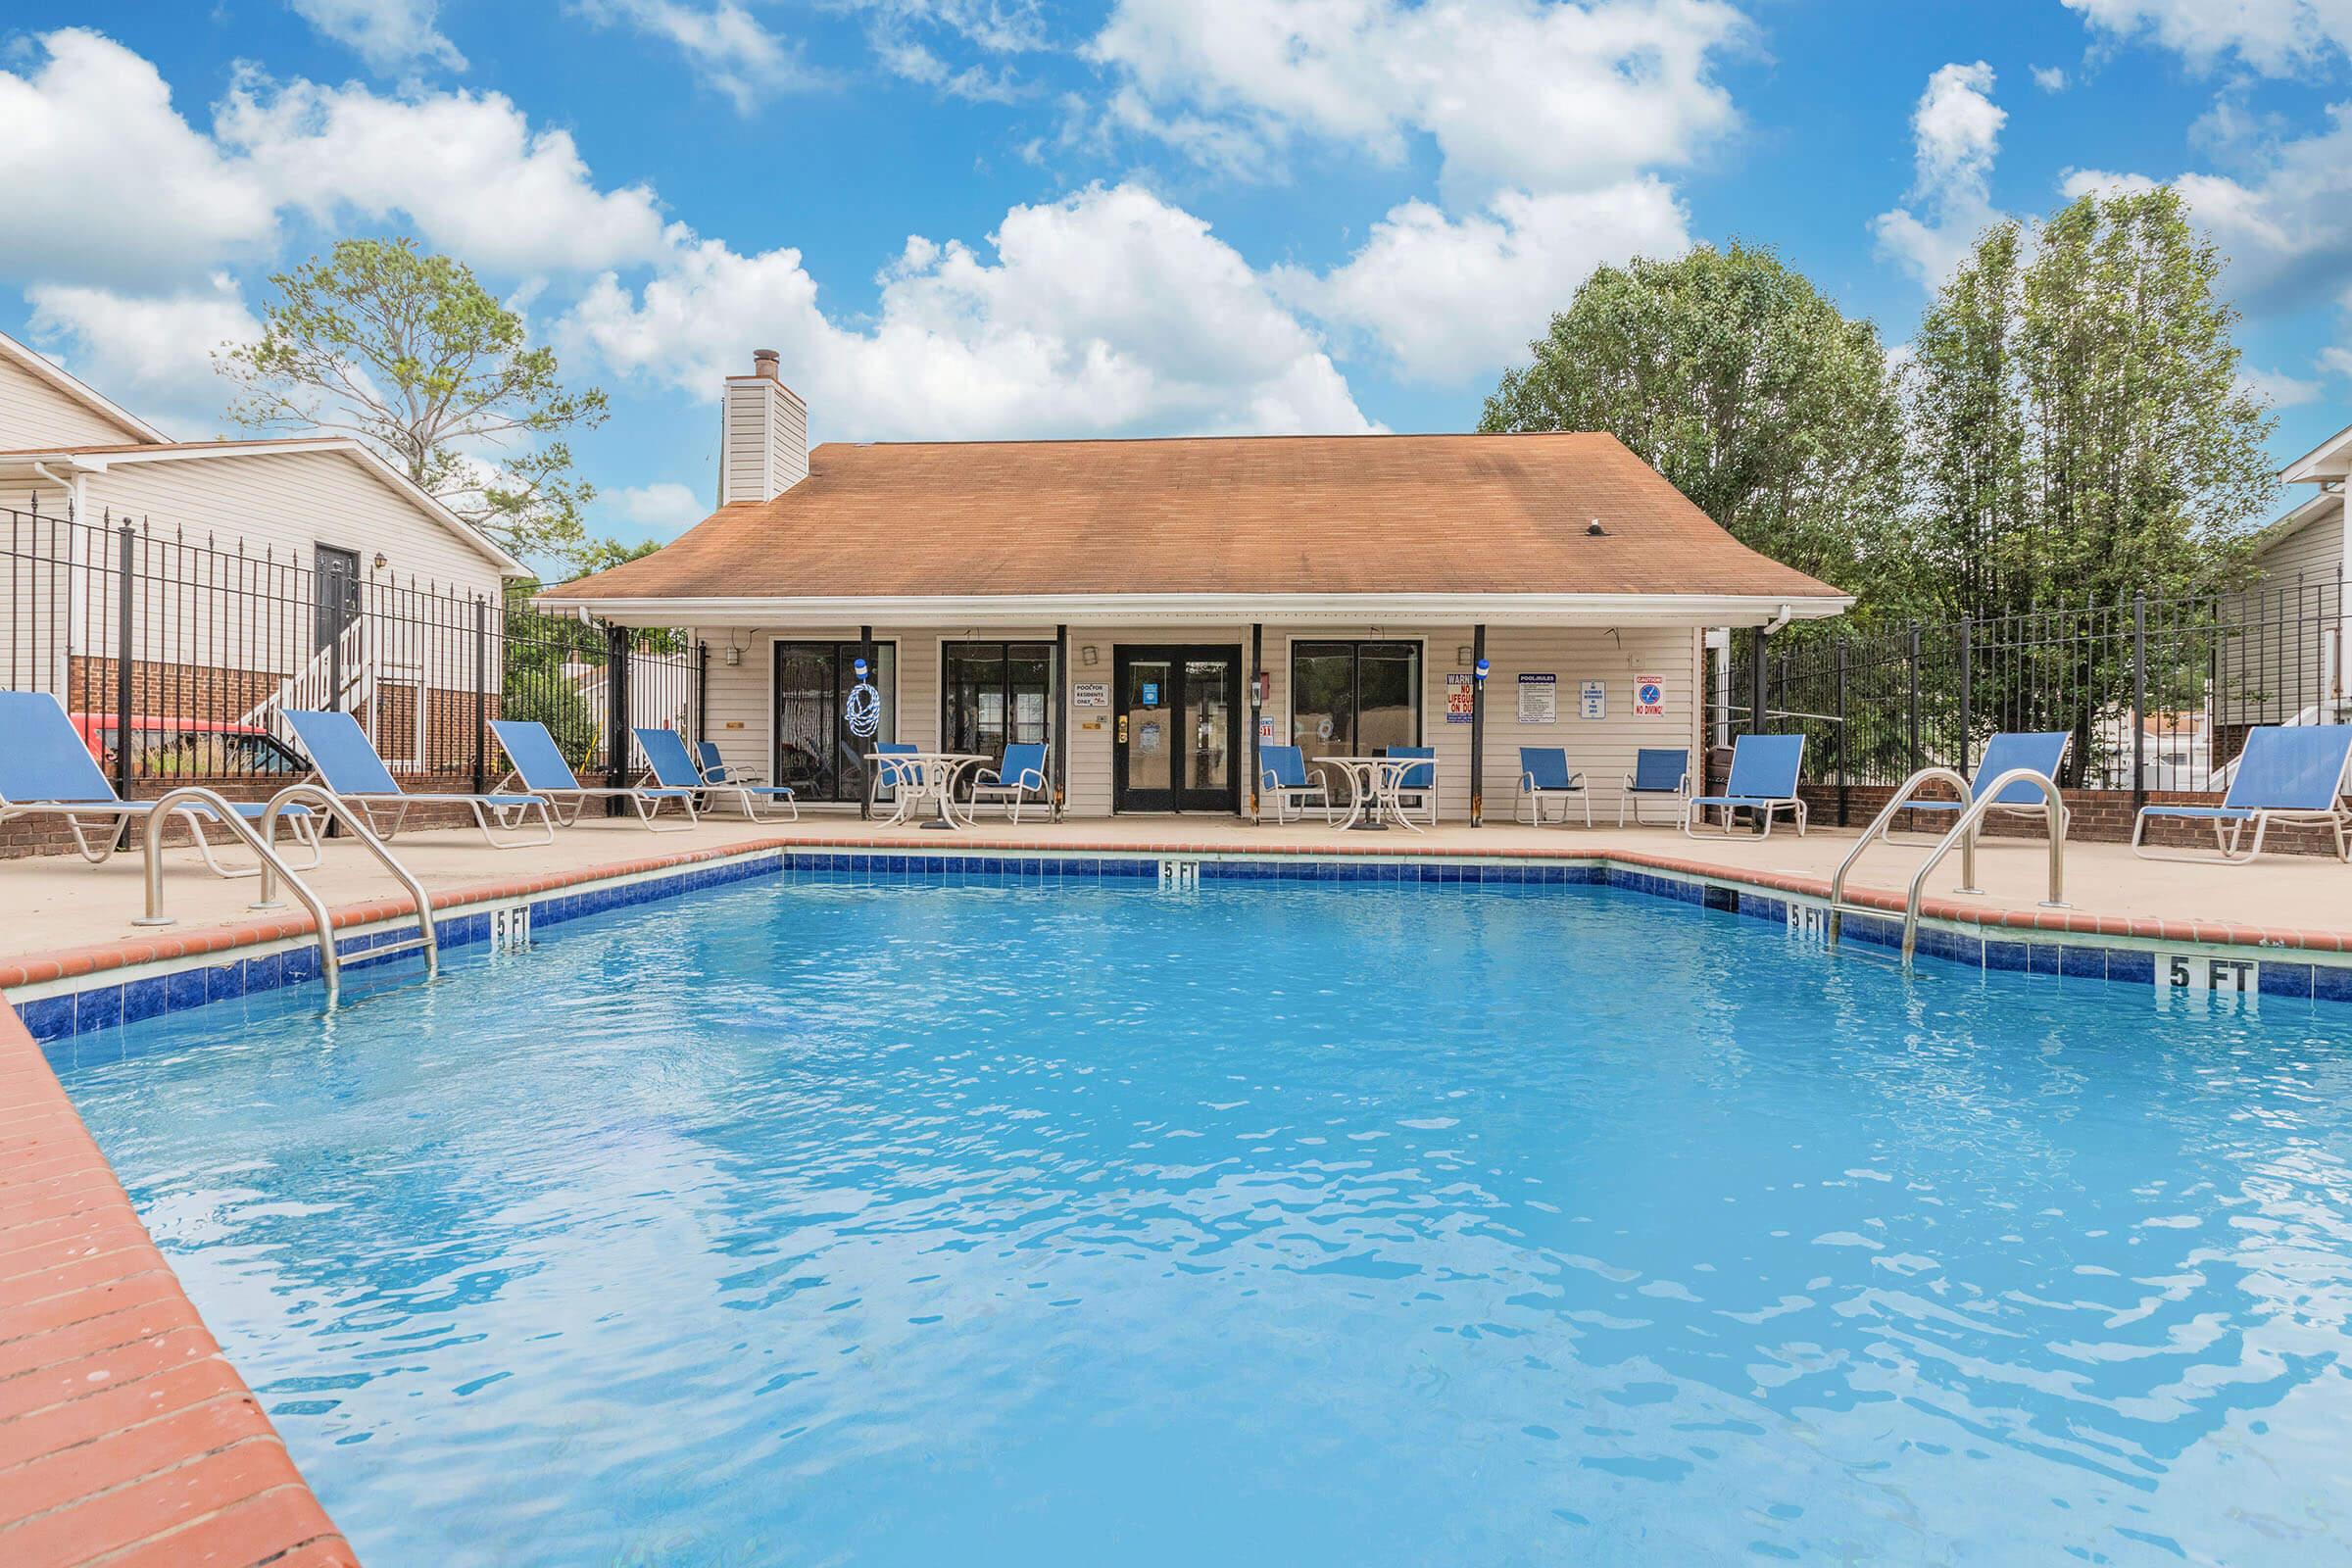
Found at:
<point>191,748</point>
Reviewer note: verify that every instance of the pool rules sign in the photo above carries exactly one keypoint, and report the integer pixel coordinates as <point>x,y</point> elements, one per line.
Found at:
<point>1649,697</point>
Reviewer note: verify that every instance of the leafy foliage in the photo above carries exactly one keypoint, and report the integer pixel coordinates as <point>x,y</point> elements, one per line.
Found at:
<point>406,352</point>
<point>1732,376</point>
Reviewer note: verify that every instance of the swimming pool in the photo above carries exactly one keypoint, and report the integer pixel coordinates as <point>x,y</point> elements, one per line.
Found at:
<point>815,1222</point>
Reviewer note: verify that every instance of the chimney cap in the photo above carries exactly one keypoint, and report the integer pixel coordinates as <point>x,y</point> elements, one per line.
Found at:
<point>766,362</point>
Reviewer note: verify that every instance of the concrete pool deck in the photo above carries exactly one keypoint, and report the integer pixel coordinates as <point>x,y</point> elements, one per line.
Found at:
<point>127,1437</point>
<point>68,917</point>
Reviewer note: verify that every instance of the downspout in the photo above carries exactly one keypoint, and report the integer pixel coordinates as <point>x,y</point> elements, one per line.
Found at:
<point>1773,626</point>
<point>76,493</point>
<point>78,568</point>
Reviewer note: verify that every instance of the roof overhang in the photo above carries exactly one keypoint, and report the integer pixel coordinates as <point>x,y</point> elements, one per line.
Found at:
<point>2331,459</point>
<point>1130,610</point>
<point>78,391</point>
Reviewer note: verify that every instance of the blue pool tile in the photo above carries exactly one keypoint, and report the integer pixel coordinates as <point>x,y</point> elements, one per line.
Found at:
<point>264,973</point>
<point>2287,979</point>
<point>184,988</point>
<point>145,998</point>
<point>99,1007</point>
<point>222,981</point>
<point>2001,953</point>
<point>298,964</point>
<point>2087,964</point>
<point>2331,982</point>
<point>2131,966</point>
<point>47,1018</point>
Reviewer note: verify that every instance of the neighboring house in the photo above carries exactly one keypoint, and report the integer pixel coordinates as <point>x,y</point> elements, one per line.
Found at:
<point>264,572</point>
<point>2288,663</point>
<point>1154,610</point>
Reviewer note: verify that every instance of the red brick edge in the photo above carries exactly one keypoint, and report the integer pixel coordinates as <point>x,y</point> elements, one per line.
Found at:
<point>126,1437</point>
<point>77,962</point>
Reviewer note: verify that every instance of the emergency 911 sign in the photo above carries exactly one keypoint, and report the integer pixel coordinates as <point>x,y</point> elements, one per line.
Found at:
<point>1649,697</point>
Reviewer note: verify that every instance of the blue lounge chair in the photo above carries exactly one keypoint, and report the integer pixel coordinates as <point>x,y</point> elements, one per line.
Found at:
<point>674,769</point>
<point>1764,774</point>
<point>541,768</point>
<point>1421,783</point>
<point>1019,777</point>
<point>1282,774</point>
<point>2286,773</point>
<point>1542,774</point>
<point>345,763</point>
<point>46,769</point>
<point>1657,770</point>
<point>2041,751</point>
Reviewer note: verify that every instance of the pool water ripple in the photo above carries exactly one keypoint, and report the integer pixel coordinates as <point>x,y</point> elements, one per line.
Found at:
<point>808,1222</point>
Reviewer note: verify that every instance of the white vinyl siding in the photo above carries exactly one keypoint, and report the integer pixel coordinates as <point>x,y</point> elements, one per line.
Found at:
<point>35,414</point>
<point>2282,664</point>
<point>763,440</point>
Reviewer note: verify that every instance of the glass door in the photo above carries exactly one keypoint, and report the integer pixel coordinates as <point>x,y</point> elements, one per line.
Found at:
<point>996,695</point>
<point>814,752</point>
<point>1179,730</point>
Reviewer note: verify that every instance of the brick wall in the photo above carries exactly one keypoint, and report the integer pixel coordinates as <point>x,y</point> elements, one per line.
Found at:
<point>49,835</point>
<point>181,690</point>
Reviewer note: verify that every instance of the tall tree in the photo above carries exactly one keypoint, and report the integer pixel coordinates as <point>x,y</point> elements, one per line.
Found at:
<point>409,353</point>
<point>1731,374</point>
<point>2077,414</point>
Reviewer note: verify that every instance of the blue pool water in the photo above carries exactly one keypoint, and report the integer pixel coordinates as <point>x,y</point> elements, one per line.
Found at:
<point>815,1223</point>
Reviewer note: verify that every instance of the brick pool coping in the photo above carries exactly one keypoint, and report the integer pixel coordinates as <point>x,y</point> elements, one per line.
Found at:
<point>127,1437</point>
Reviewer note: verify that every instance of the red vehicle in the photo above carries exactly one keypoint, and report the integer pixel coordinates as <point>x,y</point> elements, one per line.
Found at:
<point>191,748</point>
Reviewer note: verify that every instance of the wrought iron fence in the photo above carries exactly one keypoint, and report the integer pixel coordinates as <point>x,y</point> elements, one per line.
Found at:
<point>175,658</point>
<point>2157,693</point>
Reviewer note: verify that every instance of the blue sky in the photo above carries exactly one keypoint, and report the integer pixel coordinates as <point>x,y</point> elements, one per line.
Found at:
<point>999,218</point>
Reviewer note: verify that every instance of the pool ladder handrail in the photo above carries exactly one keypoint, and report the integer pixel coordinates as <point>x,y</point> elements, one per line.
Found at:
<point>262,843</point>
<point>1964,834</point>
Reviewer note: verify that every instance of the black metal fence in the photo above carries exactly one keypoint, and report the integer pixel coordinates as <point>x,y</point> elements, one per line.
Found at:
<point>192,648</point>
<point>2158,693</point>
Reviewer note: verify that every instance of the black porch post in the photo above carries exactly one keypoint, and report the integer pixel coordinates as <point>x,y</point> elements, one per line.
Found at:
<point>1059,734</point>
<point>1757,682</point>
<point>1478,726</point>
<point>1258,713</point>
<point>618,738</point>
<point>866,650</point>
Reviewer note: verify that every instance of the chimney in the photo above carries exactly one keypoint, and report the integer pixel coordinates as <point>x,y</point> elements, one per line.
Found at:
<point>762,433</point>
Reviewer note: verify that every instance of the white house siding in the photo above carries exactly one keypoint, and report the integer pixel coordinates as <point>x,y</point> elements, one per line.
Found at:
<point>739,697</point>
<point>2286,661</point>
<point>35,414</point>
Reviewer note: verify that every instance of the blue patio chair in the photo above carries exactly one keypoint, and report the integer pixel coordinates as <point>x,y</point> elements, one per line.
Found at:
<point>1544,775</point>
<point>2042,751</point>
<point>541,769</point>
<point>673,770</point>
<point>904,779</point>
<point>46,769</point>
<point>1657,770</point>
<point>1421,783</point>
<point>345,763</point>
<point>1763,781</point>
<point>1019,777</point>
<point>1282,774</point>
<point>714,769</point>
<point>2286,773</point>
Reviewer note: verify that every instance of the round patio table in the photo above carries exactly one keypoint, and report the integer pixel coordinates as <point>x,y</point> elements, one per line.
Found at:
<point>939,771</point>
<point>1366,787</point>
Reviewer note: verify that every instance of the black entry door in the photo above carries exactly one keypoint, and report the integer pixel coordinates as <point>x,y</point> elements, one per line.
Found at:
<point>1178,746</point>
<point>337,586</point>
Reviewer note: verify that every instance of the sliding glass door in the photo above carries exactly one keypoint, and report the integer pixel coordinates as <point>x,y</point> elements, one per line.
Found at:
<point>995,695</point>
<point>1355,698</point>
<point>814,752</point>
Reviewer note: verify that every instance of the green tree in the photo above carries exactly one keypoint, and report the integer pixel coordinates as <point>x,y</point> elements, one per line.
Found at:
<point>2076,417</point>
<point>406,352</point>
<point>1731,375</point>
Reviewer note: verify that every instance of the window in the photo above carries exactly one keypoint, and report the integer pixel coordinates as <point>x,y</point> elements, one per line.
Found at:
<point>996,695</point>
<point>1355,698</point>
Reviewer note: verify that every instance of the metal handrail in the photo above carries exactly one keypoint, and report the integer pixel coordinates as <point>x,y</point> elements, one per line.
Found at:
<point>320,798</point>
<point>191,795</point>
<point>1881,824</point>
<point>2054,814</point>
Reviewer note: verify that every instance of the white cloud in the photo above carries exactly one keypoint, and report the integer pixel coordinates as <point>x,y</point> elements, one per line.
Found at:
<point>1107,312</point>
<point>151,354</point>
<point>465,169</point>
<point>666,509</point>
<point>730,50</point>
<point>1955,134</point>
<point>2276,37</point>
<point>2278,389</point>
<point>107,183</point>
<point>390,35</point>
<point>2049,79</point>
<point>1446,300</point>
<point>1517,94</point>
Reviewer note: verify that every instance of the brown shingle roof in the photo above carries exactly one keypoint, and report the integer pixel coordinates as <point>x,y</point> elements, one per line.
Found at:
<point>1286,514</point>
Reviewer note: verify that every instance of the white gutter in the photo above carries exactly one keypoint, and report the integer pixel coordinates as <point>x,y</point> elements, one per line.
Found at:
<point>1112,610</point>
<point>1786,616</point>
<point>77,488</point>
